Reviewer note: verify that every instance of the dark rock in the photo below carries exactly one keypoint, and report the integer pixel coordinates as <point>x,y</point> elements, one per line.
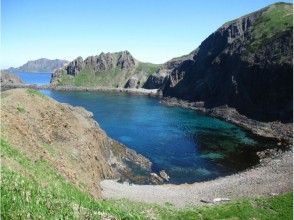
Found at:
<point>229,69</point>
<point>133,82</point>
<point>155,81</point>
<point>125,60</point>
<point>74,67</point>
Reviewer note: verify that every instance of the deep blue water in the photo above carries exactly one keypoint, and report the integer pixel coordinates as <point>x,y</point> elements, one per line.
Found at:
<point>188,145</point>
<point>34,78</point>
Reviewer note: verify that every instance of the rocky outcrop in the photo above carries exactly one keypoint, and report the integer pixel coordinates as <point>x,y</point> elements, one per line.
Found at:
<point>40,65</point>
<point>8,79</point>
<point>246,64</point>
<point>155,81</point>
<point>68,139</point>
<point>74,67</point>
<point>277,131</point>
<point>133,82</point>
<point>118,69</point>
<point>159,79</point>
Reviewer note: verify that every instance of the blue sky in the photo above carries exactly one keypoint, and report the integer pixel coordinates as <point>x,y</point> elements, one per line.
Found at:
<point>152,30</point>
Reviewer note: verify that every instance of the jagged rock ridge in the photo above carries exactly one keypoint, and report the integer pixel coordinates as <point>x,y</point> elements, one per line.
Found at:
<point>106,69</point>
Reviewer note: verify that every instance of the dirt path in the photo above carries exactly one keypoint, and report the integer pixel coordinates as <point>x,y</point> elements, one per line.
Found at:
<point>273,176</point>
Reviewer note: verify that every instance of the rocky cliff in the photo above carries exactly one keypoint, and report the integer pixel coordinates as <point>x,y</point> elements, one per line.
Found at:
<point>40,65</point>
<point>66,139</point>
<point>119,69</point>
<point>246,64</point>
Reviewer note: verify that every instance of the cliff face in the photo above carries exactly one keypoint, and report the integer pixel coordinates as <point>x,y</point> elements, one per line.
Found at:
<point>246,64</point>
<point>158,80</point>
<point>40,65</point>
<point>106,69</point>
<point>67,139</point>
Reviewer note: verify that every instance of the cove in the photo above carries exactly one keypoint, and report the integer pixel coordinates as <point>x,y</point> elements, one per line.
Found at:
<point>188,145</point>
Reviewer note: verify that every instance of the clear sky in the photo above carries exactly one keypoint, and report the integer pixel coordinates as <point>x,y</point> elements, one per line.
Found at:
<point>152,30</point>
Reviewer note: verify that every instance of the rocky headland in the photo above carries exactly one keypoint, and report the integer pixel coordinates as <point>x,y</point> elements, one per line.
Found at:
<point>246,64</point>
<point>114,70</point>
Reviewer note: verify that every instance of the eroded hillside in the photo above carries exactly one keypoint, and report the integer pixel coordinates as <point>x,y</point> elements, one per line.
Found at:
<point>66,139</point>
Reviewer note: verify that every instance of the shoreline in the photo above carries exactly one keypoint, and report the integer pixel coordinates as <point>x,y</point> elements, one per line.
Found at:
<point>271,177</point>
<point>280,132</point>
<point>139,91</point>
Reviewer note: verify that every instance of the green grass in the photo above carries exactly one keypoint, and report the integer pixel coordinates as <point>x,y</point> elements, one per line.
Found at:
<point>33,92</point>
<point>148,68</point>
<point>277,19</point>
<point>39,192</point>
<point>112,78</point>
<point>20,109</point>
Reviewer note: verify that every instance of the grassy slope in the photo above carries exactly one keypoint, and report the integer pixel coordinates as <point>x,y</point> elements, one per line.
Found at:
<point>277,19</point>
<point>34,189</point>
<point>112,78</point>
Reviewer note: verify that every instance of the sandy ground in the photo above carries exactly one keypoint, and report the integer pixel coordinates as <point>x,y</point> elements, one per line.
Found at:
<point>273,176</point>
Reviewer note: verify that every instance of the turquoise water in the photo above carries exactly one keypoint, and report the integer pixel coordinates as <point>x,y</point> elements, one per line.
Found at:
<point>188,145</point>
<point>34,78</point>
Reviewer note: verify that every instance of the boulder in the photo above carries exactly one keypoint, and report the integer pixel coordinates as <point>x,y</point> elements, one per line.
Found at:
<point>164,175</point>
<point>133,82</point>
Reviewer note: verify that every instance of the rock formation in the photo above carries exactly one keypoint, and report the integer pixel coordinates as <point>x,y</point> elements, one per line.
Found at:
<point>246,64</point>
<point>119,69</point>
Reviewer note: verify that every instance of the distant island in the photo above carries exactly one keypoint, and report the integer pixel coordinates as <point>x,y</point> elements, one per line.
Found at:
<point>40,65</point>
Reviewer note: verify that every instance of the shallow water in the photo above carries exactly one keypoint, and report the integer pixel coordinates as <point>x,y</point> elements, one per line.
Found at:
<point>188,145</point>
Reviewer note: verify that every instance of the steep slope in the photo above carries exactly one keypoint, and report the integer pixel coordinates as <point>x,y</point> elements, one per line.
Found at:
<point>158,79</point>
<point>246,64</point>
<point>106,69</point>
<point>65,139</point>
<point>9,79</point>
<point>40,65</point>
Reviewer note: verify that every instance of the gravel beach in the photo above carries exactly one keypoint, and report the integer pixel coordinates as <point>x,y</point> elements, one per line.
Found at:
<point>272,176</point>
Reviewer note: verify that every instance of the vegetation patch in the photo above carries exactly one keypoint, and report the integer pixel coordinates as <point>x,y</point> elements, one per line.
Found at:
<point>114,77</point>
<point>42,193</point>
<point>33,92</point>
<point>20,109</point>
<point>277,19</point>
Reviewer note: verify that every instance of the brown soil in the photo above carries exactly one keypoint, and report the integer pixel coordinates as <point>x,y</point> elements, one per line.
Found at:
<point>66,137</point>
